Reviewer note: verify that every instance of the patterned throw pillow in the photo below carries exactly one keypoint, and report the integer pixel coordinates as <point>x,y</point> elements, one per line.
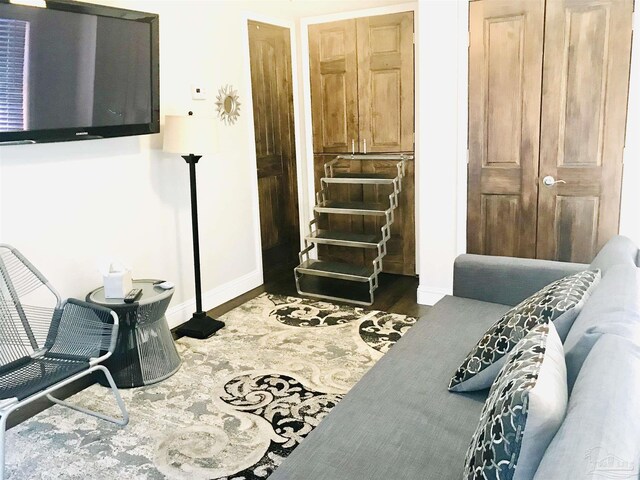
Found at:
<point>559,302</point>
<point>524,410</point>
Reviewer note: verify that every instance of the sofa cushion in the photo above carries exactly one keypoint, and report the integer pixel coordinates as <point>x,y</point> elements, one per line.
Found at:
<point>400,421</point>
<point>525,408</point>
<point>560,302</point>
<point>614,307</point>
<point>618,250</point>
<point>600,436</point>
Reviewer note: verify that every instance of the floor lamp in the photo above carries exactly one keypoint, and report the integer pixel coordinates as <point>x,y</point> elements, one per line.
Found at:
<point>191,134</point>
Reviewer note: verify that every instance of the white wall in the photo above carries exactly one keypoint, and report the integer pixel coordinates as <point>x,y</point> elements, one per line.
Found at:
<point>630,214</point>
<point>441,53</point>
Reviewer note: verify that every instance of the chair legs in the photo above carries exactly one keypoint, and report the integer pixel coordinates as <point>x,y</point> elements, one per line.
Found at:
<point>123,410</point>
<point>118,421</point>
<point>3,428</point>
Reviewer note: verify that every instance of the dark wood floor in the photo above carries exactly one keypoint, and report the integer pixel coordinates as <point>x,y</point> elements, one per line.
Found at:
<point>396,294</point>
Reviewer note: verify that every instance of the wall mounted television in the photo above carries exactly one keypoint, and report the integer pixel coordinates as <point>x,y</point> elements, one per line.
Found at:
<point>76,71</point>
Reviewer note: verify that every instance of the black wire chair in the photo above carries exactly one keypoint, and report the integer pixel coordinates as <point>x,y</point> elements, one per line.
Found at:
<point>45,343</point>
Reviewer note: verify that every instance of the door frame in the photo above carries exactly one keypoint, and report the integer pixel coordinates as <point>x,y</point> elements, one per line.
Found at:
<point>305,75</point>
<point>301,169</point>
<point>630,195</point>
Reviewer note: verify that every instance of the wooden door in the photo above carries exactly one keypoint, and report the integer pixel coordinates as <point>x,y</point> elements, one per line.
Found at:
<point>505,65</point>
<point>334,86</point>
<point>584,106</point>
<point>270,55</point>
<point>385,83</point>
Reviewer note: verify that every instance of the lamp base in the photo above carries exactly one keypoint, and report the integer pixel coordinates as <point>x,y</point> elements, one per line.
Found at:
<point>200,326</point>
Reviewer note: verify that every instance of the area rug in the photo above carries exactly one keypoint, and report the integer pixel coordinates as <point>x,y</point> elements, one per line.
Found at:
<point>240,403</point>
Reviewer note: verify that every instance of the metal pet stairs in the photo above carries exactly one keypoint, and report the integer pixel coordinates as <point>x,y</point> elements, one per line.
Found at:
<point>325,205</point>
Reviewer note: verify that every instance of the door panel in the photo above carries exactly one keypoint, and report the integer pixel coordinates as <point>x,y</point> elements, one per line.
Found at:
<point>400,256</point>
<point>584,105</point>
<point>334,86</point>
<point>576,217</point>
<point>273,126</point>
<point>385,82</point>
<point>269,189</point>
<point>504,114</point>
<point>500,210</point>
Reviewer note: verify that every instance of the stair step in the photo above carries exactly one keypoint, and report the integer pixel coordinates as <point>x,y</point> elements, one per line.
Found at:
<point>352,208</point>
<point>335,290</point>
<point>344,271</point>
<point>359,179</point>
<point>344,239</point>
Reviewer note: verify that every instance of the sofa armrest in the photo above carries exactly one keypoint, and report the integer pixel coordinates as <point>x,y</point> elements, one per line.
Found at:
<point>506,280</point>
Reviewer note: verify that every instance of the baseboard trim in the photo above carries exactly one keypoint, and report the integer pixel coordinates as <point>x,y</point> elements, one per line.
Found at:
<point>431,295</point>
<point>179,314</point>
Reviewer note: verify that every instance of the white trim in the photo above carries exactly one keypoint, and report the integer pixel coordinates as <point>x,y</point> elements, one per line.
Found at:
<point>463,125</point>
<point>630,198</point>
<point>257,246</point>
<point>431,296</point>
<point>306,96</point>
<point>301,167</point>
<point>368,12</point>
<point>308,129</point>
<point>440,143</point>
<point>179,314</point>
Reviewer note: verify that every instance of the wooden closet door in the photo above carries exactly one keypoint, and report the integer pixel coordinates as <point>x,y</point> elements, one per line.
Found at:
<point>334,86</point>
<point>385,82</point>
<point>505,71</point>
<point>272,95</point>
<point>584,107</point>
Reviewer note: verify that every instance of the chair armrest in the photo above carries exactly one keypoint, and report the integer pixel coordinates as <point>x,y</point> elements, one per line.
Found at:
<point>83,329</point>
<point>106,314</point>
<point>506,280</point>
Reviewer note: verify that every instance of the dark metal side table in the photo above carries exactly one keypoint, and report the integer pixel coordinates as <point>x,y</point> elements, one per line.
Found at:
<point>145,352</point>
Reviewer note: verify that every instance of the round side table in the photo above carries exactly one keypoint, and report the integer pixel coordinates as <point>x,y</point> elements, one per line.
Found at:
<point>145,352</point>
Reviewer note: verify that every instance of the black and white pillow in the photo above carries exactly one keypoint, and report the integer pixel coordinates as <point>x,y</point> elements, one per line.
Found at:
<point>524,410</point>
<point>559,302</point>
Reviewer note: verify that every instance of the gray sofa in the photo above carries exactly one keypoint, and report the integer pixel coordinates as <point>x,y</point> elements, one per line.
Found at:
<point>400,421</point>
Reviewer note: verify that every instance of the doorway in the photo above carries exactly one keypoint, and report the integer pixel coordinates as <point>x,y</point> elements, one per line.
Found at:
<point>272,92</point>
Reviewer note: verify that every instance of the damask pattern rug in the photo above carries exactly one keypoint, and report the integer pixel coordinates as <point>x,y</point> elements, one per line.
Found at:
<point>240,403</point>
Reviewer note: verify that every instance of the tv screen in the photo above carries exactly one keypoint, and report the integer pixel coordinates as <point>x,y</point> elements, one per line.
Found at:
<point>76,71</point>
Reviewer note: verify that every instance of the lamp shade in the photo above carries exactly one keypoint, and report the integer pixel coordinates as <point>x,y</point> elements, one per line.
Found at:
<point>189,134</point>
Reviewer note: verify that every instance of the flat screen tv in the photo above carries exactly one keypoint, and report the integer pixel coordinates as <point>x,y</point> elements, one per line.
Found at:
<point>72,71</point>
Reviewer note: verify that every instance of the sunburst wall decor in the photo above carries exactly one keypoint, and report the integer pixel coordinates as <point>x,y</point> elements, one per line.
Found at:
<point>228,105</point>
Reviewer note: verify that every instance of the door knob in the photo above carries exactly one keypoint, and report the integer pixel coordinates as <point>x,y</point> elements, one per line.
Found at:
<point>549,181</point>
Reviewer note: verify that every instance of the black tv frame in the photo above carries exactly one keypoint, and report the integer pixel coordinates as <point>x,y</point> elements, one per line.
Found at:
<point>89,133</point>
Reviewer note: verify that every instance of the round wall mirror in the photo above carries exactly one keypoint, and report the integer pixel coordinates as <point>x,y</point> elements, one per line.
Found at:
<point>228,105</point>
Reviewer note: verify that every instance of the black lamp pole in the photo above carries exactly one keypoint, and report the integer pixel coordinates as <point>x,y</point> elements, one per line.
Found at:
<point>200,326</point>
